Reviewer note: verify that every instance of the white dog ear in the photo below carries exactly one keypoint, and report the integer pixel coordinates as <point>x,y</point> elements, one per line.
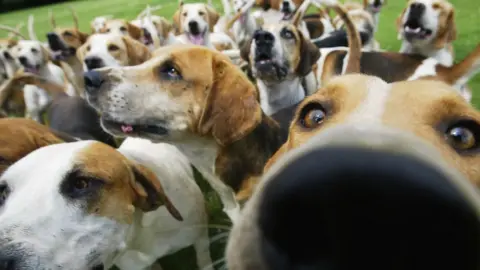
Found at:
<point>213,16</point>
<point>149,193</point>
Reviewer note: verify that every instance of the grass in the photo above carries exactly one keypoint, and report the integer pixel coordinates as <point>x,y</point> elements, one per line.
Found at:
<point>467,18</point>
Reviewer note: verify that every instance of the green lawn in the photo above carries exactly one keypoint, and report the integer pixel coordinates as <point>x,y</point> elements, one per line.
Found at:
<point>467,17</point>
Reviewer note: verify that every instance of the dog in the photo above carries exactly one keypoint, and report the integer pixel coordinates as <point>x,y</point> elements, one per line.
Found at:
<point>243,24</point>
<point>111,204</point>
<point>427,27</point>
<point>111,49</point>
<point>195,23</point>
<point>374,7</point>
<point>359,168</point>
<point>64,43</point>
<point>157,32</point>
<point>122,27</point>
<point>196,99</point>
<point>365,24</point>
<point>98,24</point>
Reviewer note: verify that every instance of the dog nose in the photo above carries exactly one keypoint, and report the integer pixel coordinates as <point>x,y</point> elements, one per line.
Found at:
<point>51,35</point>
<point>8,262</point>
<point>417,7</point>
<point>359,208</point>
<point>93,81</point>
<point>193,25</point>
<point>7,55</point>
<point>285,5</point>
<point>93,63</point>
<point>263,37</point>
<point>23,60</point>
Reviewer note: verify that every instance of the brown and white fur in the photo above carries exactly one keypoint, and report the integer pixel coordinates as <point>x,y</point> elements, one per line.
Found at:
<point>99,23</point>
<point>356,129</point>
<point>198,100</point>
<point>427,27</point>
<point>122,27</point>
<point>157,31</point>
<point>101,207</point>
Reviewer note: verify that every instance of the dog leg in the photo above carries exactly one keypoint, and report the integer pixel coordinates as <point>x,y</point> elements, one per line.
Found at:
<point>202,250</point>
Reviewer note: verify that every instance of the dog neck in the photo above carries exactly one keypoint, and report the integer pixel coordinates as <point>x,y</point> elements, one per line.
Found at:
<point>443,55</point>
<point>279,95</point>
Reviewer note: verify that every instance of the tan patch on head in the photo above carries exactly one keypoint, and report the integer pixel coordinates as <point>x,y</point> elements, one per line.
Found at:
<point>71,37</point>
<point>124,184</point>
<point>122,26</point>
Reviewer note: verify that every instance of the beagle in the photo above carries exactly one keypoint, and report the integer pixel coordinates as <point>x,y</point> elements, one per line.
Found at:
<point>111,49</point>
<point>196,99</point>
<point>99,23</point>
<point>64,43</point>
<point>374,7</point>
<point>243,24</point>
<point>100,207</point>
<point>427,27</point>
<point>195,23</point>
<point>363,183</point>
<point>122,27</point>
<point>157,32</point>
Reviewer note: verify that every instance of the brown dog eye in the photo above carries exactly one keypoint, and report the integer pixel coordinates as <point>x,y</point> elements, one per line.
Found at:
<point>34,50</point>
<point>123,29</point>
<point>88,48</point>
<point>113,48</point>
<point>4,192</point>
<point>461,138</point>
<point>312,116</point>
<point>68,34</point>
<point>201,13</point>
<point>184,14</point>
<point>169,72</point>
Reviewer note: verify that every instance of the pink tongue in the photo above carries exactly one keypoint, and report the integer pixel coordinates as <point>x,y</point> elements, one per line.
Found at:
<point>127,128</point>
<point>197,40</point>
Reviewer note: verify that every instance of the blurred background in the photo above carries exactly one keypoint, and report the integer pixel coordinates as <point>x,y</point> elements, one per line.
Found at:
<point>11,5</point>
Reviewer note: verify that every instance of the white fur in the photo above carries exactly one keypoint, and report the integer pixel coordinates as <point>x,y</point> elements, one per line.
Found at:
<point>99,48</point>
<point>277,96</point>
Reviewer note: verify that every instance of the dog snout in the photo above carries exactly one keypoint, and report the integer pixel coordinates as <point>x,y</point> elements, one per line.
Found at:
<point>93,81</point>
<point>346,207</point>
<point>417,10</point>
<point>9,261</point>
<point>23,60</point>
<point>93,63</point>
<point>193,26</point>
<point>54,41</point>
<point>263,37</point>
<point>286,6</point>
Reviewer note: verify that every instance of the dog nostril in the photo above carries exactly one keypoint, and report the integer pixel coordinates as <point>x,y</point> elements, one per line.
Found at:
<point>418,6</point>
<point>22,59</point>
<point>93,80</point>
<point>322,208</point>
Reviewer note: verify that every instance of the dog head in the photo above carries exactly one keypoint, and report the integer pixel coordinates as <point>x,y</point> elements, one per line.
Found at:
<point>196,21</point>
<point>280,51</point>
<point>183,92</point>
<point>89,193</point>
<point>64,42</point>
<point>155,31</point>
<point>111,50</point>
<point>122,27</point>
<point>8,62</point>
<point>358,167</point>
<point>98,24</point>
<point>30,54</point>
<point>428,22</point>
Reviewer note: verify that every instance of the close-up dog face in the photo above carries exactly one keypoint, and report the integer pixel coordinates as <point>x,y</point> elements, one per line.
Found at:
<point>64,42</point>
<point>31,55</point>
<point>358,167</point>
<point>89,193</point>
<point>111,50</point>
<point>279,52</point>
<point>122,27</point>
<point>427,21</point>
<point>183,91</point>
<point>196,21</point>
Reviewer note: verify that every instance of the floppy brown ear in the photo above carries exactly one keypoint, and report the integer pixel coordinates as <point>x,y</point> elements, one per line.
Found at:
<point>398,21</point>
<point>166,27</point>
<point>245,50</point>
<point>136,51</point>
<point>231,109</point>
<point>448,31</point>
<point>134,31</point>
<point>149,193</point>
<point>81,51</point>
<point>82,37</point>
<point>309,54</point>
<point>213,16</point>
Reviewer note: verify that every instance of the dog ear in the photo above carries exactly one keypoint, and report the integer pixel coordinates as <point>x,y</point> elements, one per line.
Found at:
<point>176,22</point>
<point>166,27</point>
<point>231,109</point>
<point>82,37</point>
<point>447,32</point>
<point>245,50</point>
<point>46,54</point>
<point>81,51</point>
<point>149,193</point>
<point>134,31</point>
<point>213,17</point>
<point>398,22</point>
<point>136,51</point>
<point>309,54</point>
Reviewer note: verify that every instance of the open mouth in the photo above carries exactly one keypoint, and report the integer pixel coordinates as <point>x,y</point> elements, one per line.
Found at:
<point>287,14</point>
<point>263,58</point>
<point>31,68</point>
<point>133,129</point>
<point>147,37</point>
<point>197,39</point>
<point>415,30</point>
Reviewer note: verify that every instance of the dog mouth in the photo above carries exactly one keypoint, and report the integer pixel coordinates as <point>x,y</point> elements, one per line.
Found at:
<point>197,38</point>
<point>414,29</point>
<point>287,14</point>
<point>147,37</point>
<point>268,69</point>
<point>127,129</point>
<point>31,68</point>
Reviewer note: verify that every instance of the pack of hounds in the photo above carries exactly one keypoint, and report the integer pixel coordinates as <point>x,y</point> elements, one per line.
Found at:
<point>326,151</point>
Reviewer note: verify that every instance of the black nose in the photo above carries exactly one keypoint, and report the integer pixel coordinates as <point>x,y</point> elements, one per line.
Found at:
<point>54,42</point>
<point>7,55</point>
<point>286,5</point>
<point>23,60</point>
<point>93,63</point>
<point>377,3</point>
<point>93,81</point>
<point>417,9</point>
<point>353,208</point>
<point>193,26</point>
<point>8,262</point>
<point>263,37</point>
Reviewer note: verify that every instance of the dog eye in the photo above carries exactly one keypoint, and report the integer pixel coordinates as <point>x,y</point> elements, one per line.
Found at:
<point>113,48</point>
<point>463,136</point>
<point>76,186</point>
<point>34,50</point>
<point>88,48</point>
<point>4,192</point>
<point>123,29</point>
<point>68,34</point>
<point>201,13</point>
<point>184,14</point>
<point>287,34</point>
<point>168,71</point>
<point>436,6</point>
<point>312,115</point>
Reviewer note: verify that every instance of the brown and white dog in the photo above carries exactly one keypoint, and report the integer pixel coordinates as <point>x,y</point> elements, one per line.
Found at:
<point>195,23</point>
<point>196,99</point>
<point>427,27</point>
<point>99,23</point>
<point>122,27</point>
<point>111,50</point>
<point>100,207</point>
<point>359,168</point>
